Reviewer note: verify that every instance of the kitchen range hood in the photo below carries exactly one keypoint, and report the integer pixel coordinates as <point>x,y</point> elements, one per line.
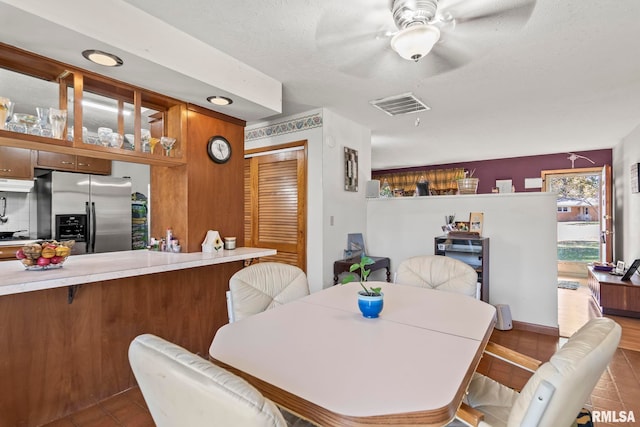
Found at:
<point>16,185</point>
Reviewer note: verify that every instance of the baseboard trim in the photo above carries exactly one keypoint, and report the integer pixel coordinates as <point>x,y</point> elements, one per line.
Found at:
<point>539,329</point>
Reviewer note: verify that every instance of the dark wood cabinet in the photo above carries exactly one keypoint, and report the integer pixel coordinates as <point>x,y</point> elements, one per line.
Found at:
<point>614,296</point>
<point>470,250</point>
<point>73,163</point>
<point>15,163</point>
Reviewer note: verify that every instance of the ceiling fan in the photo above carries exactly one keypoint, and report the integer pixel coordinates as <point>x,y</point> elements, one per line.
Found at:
<point>370,38</point>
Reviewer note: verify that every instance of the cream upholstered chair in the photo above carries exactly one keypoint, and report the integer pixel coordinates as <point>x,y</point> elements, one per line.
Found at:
<point>558,389</point>
<point>262,286</point>
<point>182,389</point>
<point>438,272</point>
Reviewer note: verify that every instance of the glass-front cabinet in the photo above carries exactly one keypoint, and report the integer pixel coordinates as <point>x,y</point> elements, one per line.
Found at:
<point>48,105</point>
<point>470,250</point>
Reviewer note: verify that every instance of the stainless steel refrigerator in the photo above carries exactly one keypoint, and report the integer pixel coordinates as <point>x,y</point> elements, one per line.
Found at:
<point>93,210</point>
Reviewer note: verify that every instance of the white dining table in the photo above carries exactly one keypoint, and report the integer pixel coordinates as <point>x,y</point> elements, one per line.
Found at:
<point>319,358</point>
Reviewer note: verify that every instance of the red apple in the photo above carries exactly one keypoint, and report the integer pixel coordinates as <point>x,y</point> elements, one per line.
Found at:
<point>42,261</point>
<point>20,254</point>
<point>56,259</point>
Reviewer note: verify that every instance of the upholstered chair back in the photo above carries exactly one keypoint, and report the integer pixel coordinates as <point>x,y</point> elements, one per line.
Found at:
<point>264,285</point>
<point>559,388</point>
<point>568,378</point>
<point>182,389</point>
<point>438,272</point>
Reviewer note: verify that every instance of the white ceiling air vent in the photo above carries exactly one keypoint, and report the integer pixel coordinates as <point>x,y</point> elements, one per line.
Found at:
<point>400,104</point>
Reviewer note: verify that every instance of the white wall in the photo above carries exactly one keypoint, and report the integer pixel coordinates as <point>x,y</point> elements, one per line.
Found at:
<point>325,180</point>
<point>522,243</point>
<point>626,204</point>
<point>139,174</point>
<point>344,212</point>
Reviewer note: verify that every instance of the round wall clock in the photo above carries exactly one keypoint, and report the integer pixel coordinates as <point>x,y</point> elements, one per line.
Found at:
<point>219,149</point>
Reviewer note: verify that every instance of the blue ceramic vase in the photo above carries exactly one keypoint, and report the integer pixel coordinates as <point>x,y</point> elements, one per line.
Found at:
<point>370,306</point>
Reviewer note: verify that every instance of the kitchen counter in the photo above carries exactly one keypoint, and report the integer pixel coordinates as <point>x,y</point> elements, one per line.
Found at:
<point>81,269</point>
<point>16,242</point>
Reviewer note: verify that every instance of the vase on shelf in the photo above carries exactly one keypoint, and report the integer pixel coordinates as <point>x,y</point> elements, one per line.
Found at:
<point>468,185</point>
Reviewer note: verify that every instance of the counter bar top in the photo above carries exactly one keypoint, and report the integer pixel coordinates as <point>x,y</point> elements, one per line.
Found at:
<point>16,242</point>
<point>80,269</point>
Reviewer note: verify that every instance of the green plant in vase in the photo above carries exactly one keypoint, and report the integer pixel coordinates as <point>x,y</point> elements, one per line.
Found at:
<point>364,274</point>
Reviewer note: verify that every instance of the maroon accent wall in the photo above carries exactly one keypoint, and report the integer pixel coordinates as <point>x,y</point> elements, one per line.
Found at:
<point>516,168</point>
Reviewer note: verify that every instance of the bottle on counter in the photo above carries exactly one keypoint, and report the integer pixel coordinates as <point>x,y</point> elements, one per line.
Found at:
<point>169,236</point>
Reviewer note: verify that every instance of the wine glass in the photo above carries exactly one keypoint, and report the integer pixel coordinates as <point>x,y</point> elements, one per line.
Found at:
<point>145,136</point>
<point>167,144</point>
<point>43,118</point>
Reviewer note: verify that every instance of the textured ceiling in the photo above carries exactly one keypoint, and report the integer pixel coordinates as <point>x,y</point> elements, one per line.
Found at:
<point>568,79</point>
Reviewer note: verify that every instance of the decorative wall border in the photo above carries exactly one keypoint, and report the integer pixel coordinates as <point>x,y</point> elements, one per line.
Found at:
<point>289,126</point>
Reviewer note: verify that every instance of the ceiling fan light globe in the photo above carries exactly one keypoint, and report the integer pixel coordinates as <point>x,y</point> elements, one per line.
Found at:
<point>416,41</point>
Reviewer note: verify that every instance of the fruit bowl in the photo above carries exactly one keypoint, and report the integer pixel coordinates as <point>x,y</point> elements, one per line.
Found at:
<point>45,255</point>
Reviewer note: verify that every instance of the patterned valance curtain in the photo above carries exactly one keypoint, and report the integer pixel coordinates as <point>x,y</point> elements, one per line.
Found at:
<point>441,181</point>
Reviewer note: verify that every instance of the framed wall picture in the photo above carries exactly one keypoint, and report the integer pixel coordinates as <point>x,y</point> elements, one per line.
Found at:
<point>350,169</point>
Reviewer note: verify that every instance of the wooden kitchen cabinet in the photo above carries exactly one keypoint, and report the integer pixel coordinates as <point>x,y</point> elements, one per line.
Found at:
<point>73,163</point>
<point>93,165</point>
<point>615,297</point>
<point>15,163</point>
<point>73,86</point>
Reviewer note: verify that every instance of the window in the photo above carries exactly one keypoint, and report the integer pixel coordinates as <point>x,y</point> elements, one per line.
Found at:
<point>563,209</point>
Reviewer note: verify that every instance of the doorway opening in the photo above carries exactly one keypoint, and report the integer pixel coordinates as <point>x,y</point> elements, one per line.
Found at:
<point>583,217</point>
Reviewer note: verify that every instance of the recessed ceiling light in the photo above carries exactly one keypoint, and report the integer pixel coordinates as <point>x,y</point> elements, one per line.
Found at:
<point>219,100</point>
<point>102,58</point>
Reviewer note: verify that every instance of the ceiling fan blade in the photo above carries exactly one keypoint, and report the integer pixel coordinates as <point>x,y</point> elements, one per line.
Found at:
<point>515,12</point>
<point>351,37</point>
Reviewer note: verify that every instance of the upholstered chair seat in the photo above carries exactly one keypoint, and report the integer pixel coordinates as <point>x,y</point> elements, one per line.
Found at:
<point>559,388</point>
<point>438,272</point>
<point>182,389</point>
<point>264,285</point>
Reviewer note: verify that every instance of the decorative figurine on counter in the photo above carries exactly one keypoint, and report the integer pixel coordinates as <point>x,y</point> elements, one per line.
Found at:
<point>212,242</point>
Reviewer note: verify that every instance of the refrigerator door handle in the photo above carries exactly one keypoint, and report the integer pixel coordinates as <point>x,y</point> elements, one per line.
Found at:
<point>93,227</point>
<point>87,233</point>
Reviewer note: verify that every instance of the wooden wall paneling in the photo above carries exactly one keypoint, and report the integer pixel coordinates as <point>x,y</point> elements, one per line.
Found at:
<point>49,366</point>
<point>215,190</point>
<point>59,358</point>
<point>175,126</point>
<point>169,202</point>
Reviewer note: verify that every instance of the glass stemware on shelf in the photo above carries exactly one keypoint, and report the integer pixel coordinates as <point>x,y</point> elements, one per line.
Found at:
<point>167,144</point>
<point>145,135</point>
<point>6,110</point>
<point>42,128</point>
<point>58,120</point>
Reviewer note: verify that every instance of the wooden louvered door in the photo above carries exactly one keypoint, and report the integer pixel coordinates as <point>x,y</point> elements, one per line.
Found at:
<point>275,205</point>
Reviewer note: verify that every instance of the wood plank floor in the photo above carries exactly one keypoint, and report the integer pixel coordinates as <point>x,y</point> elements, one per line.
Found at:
<point>618,389</point>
